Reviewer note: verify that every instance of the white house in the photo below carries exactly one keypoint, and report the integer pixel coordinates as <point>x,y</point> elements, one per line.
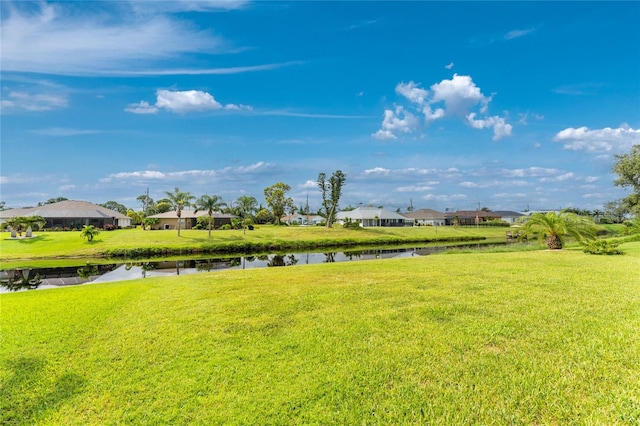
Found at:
<point>303,219</point>
<point>371,216</point>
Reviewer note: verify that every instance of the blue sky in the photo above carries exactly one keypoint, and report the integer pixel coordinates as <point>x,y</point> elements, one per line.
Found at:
<point>508,105</point>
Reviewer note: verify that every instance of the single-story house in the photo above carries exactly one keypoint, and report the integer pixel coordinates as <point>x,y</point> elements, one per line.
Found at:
<point>470,217</point>
<point>303,219</point>
<point>189,219</point>
<point>426,217</point>
<point>371,216</point>
<point>71,215</point>
<point>509,216</point>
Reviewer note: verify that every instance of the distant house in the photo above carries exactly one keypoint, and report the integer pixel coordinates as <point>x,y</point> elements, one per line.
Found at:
<point>470,217</point>
<point>426,217</point>
<point>189,219</point>
<point>71,215</point>
<point>509,216</point>
<point>371,216</point>
<point>303,219</point>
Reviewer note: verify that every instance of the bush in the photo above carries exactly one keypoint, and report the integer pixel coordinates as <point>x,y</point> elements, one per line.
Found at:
<point>349,224</point>
<point>608,247</point>
<point>109,227</point>
<point>225,227</point>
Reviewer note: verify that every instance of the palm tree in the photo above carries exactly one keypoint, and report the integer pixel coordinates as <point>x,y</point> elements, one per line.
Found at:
<point>556,226</point>
<point>179,200</point>
<point>211,204</point>
<point>89,231</point>
<point>246,205</point>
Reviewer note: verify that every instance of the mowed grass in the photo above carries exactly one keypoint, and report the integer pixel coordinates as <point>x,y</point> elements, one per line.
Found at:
<point>488,338</point>
<point>61,244</point>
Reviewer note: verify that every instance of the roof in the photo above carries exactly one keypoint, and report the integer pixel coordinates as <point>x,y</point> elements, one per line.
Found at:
<point>473,213</point>
<point>66,209</point>
<point>424,214</point>
<point>189,214</point>
<point>369,213</point>
<point>507,213</point>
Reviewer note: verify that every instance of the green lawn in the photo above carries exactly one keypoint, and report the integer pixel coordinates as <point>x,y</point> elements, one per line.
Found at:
<point>487,338</point>
<point>65,244</point>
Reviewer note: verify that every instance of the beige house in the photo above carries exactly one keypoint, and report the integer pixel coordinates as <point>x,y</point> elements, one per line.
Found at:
<point>426,217</point>
<point>189,219</point>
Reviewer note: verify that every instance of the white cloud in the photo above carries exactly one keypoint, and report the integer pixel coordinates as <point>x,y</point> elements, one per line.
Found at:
<point>183,175</point>
<point>449,65</point>
<point>517,33</point>
<point>530,172</point>
<point>66,187</point>
<point>559,178</point>
<point>457,97</point>
<point>187,5</point>
<point>599,140</point>
<point>412,92</point>
<point>234,107</point>
<point>309,184</point>
<point>377,171</point>
<point>398,121</point>
<point>183,102</point>
<point>143,107</point>
<point>34,102</point>
<point>459,94</point>
<point>500,127</point>
<point>415,188</point>
<point>65,38</point>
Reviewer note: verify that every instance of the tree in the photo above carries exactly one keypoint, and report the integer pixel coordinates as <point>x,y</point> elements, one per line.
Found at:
<point>89,231</point>
<point>331,192</point>
<point>146,201</point>
<point>55,200</point>
<point>211,204</point>
<point>19,223</point>
<point>627,167</point>
<point>556,226</point>
<point>263,216</point>
<point>2,205</point>
<point>137,218</point>
<point>246,206</point>
<point>115,206</point>
<point>276,198</point>
<point>615,211</point>
<point>179,200</point>
<point>162,206</point>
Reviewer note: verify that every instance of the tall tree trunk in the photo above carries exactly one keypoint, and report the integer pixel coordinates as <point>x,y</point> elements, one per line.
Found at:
<point>554,243</point>
<point>330,217</point>
<point>179,214</point>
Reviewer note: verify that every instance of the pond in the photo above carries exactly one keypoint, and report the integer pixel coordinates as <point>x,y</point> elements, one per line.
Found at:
<point>84,273</point>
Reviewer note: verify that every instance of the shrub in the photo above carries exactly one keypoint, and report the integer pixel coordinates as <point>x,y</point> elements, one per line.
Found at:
<point>225,227</point>
<point>109,227</point>
<point>349,224</point>
<point>608,247</point>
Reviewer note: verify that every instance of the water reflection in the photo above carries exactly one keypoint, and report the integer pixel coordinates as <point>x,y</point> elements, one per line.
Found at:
<point>31,278</point>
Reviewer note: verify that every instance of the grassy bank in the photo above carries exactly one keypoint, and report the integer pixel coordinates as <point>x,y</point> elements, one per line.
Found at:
<point>129,243</point>
<point>524,338</point>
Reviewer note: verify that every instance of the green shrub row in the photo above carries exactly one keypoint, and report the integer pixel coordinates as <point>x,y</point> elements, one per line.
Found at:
<point>237,247</point>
